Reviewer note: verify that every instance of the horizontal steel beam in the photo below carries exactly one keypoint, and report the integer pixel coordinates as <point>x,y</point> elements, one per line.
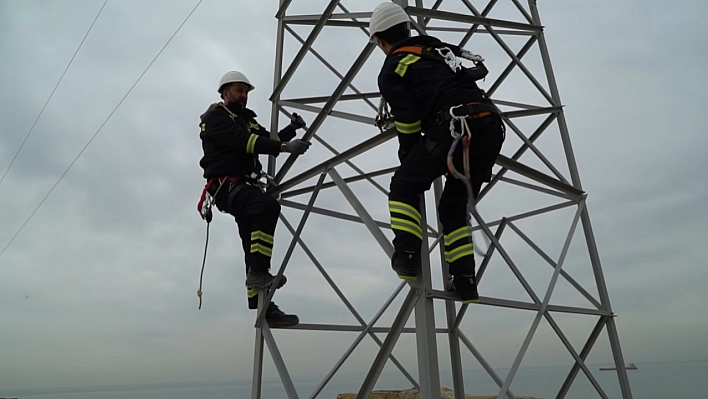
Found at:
<point>502,32</point>
<point>329,22</point>
<point>456,17</point>
<point>323,99</point>
<point>352,179</point>
<point>351,328</point>
<point>337,114</point>
<point>330,213</point>
<point>506,303</point>
<point>316,17</point>
<point>531,112</point>
<point>334,161</point>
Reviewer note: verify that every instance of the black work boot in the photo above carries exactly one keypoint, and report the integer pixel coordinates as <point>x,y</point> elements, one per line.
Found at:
<point>406,264</point>
<point>262,279</point>
<point>466,288</point>
<point>277,318</point>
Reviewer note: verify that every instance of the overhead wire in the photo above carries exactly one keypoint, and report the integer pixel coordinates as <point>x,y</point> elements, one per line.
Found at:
<point>99,129</point>
<point>52,93</point>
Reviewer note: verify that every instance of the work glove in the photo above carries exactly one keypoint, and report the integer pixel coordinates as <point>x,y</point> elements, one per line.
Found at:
<point>297,122</point>
<point>297,146</point>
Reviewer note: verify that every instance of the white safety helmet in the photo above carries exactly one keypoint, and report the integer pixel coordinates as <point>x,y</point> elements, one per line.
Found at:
<point>235,77</point>
<point>385,16</point>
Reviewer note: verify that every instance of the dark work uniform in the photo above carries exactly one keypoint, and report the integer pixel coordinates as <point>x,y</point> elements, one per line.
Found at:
<point>416,87</point>
<point>232,140</point>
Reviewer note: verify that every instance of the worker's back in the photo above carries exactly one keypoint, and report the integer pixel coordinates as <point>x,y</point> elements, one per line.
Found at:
<point>429,84</point>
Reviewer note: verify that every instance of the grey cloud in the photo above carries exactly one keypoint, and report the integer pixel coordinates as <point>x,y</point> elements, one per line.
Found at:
<point>104,277</point>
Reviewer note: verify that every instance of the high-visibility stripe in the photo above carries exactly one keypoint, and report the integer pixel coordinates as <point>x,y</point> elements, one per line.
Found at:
<point>251,292</point>
<point>462,232</point>
<point>407,226</point>
<point>260,248</point>
<point>203,126</point>
<point>251,145</point>
<point>259,235</point>
<point>404,209</point>
<point>403,64</point>
<point>459,252</point>
<point>408,128</point>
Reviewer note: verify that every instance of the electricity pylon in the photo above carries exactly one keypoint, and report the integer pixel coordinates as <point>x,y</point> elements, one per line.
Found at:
<point>536,185</point>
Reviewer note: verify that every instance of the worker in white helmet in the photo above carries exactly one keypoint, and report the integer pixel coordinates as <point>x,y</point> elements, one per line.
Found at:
<point>232,139</point>
<point>421,79</point>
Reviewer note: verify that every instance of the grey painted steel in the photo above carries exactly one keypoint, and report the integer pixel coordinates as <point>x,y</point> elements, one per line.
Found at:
<point>261,311</point>
<point>534,187</point>
<point>422,294</point>
<point>334,161</point>
<point>279,363</point>
<point>456,17</point>
<point>509,68</point>
<point>476,27</point>
<point>344,97</point>
<point>303,50</point>
<point>578,360</point>
<point>353,328</point>
<point>587,228</point>
<point>352,179</point>
<point>544,306</point>
<point>375,231</point>
<point>550,261</point>
<point>333,214</point>
<point>490,251</point>
<point>377,366</point>
<point>257,361</point>
<point>338,114</point>
<point>367,328</point>
<point>536,151</point>
<point>277,72</point>
<point>458,383</point>
<point>329,66</point>
<point>483,362</point>
<point>536,134</point>
<point>534,174</point>
<point>329,105</point>
<point>426,340</point>
<point>335,152</point>
<point>512,304</point>
<point>583,355</point>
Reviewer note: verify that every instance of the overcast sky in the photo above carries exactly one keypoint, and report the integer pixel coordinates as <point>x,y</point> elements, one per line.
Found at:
<point>100,286</point>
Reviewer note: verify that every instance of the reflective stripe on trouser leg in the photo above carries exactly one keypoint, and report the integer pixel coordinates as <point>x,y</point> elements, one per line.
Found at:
<point>405,222</point>
<point>262,243</point>
<point>260,250</point>
<point>459,250</point>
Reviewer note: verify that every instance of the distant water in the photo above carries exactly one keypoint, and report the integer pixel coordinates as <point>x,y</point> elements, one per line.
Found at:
<point>651,380</point>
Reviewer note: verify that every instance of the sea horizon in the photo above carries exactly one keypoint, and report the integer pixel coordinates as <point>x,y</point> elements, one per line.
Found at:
<point>651,380</point>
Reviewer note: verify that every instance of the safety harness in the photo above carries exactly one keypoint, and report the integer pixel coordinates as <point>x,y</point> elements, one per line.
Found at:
<point>458,113</point>
<point>207,200</point>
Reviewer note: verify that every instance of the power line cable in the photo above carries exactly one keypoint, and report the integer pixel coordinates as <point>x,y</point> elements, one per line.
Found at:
<point>52,94</point>
<point>100,128</point>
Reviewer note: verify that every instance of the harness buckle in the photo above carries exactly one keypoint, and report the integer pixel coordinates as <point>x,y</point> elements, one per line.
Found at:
<point>452,111</point>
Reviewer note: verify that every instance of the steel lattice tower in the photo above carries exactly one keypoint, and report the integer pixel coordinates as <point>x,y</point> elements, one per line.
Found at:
<point>537,169</point>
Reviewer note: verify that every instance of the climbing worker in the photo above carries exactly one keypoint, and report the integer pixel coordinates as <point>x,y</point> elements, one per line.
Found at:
<point>433,99</point>
<point>232,140</point>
